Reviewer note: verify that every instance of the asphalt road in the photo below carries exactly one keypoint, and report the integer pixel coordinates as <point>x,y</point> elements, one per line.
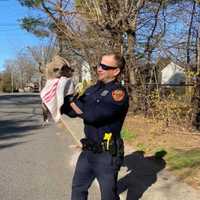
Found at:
<point>36,163</point>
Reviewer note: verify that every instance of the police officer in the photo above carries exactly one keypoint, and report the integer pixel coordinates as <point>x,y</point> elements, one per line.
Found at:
<point>103,108</point>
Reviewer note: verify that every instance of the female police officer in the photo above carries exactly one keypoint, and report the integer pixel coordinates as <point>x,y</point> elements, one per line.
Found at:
<point>103,108</point>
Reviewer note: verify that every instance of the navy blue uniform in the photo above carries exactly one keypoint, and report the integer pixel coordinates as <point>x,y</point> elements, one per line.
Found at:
<point>104,108</point>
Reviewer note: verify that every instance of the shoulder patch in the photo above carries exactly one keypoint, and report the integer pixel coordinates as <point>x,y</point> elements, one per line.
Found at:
<point>118,95</point>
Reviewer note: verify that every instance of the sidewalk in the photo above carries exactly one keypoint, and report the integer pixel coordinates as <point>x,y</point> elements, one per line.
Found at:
<point>141,177</point>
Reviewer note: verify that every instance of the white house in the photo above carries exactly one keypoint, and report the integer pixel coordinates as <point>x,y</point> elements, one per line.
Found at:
<point>85,72</point>
<point>82,77</point>
<point>173,74</point>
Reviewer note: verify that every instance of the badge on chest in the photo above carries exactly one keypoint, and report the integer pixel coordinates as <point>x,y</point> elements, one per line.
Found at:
<point>104,93</point>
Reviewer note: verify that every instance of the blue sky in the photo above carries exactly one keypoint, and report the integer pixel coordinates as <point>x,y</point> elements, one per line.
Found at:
<point>12,37</point>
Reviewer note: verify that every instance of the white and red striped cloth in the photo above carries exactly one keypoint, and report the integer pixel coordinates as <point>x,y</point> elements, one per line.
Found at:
<point>53,94</point>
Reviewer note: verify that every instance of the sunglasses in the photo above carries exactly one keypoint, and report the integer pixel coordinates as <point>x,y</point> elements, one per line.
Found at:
<point>106,67</point>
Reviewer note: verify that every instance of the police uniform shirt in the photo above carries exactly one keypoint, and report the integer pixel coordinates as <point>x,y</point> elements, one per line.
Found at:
<point>104,109</point>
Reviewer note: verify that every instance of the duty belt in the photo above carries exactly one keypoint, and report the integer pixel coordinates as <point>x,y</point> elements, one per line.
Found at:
<point>91,146</point>
<point>113,148</point>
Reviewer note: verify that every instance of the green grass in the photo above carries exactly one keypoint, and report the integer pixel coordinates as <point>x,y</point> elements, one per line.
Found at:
<point>127,135</point>
<point>141,147</point>
<point>179,159</point>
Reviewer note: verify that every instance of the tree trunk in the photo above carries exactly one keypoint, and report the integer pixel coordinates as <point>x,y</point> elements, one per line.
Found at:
<point>190,33</point>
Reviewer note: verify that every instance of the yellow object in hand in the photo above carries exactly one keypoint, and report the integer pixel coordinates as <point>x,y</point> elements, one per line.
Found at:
<point>107,137</point>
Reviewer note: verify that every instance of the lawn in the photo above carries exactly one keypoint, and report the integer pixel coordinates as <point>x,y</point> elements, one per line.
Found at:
<point>179,146</point>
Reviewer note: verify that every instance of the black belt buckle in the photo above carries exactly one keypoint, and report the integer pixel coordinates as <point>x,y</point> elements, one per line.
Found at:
<point>84,147</point>
<point>97,148</point>
<point>85,144</point>
<point>91,146</point>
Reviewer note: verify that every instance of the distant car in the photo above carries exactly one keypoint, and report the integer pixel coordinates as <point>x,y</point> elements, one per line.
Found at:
<point>36,89</point>
<point>15,90</point>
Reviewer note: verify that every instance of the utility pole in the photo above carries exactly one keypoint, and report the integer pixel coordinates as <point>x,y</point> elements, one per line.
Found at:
<point>60,34</point>
<point>196,94</point>
<point>198,52</point>
<point>12,81</point>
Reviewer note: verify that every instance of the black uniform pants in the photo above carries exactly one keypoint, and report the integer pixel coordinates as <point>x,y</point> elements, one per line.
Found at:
<point>95,165</point>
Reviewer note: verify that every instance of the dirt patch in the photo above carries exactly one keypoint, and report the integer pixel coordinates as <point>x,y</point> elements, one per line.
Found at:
<point>151,136</point>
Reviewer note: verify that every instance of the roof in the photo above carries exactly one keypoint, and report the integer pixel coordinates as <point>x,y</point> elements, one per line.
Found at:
<point>174,67</point>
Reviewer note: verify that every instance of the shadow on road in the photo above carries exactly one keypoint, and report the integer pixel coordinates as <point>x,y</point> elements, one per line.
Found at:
<point>142,174</point>
<point>16,128</point>
<point>20,99</point>
<point>30,115</point>
<point>20,121</point>
<point>3,146</point>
